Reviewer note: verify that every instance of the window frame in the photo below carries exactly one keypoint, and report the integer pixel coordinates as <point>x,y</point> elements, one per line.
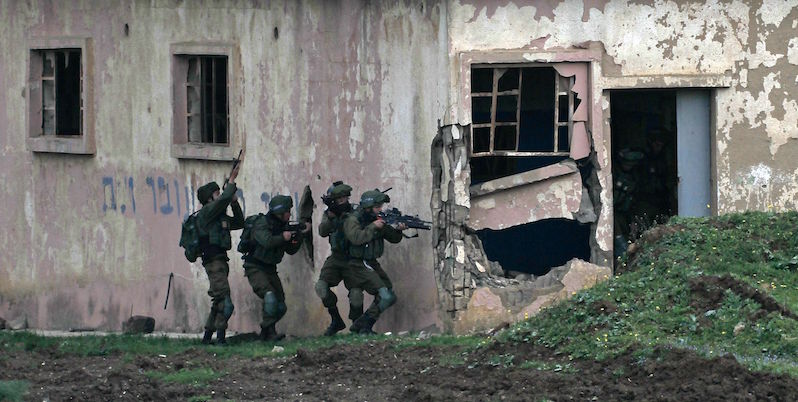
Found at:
<point>181,146</point>
<point>517,92</point>
<point>36,140</point>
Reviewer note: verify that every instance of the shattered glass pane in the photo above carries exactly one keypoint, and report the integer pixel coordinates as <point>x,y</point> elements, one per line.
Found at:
<point>48,122</point>
<point>48,94</point>
<point>509,80</point>
<point>48,68</point>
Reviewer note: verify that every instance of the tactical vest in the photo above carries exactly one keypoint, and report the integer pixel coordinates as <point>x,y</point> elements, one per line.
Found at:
<point>338,242</point>
<point>217,232</point>
<point>262,255</point>
<point>368,251</point>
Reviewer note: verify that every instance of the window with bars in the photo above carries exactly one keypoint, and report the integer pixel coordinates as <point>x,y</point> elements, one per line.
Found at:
<point>521,111</point>
<point>207,117</point>
<point>61,92</point>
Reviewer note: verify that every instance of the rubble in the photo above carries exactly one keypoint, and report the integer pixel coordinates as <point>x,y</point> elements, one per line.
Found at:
<point>138,324</point>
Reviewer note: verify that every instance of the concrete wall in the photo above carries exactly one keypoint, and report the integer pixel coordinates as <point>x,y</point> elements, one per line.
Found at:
<point>347,90</point>
<point>350,90</point>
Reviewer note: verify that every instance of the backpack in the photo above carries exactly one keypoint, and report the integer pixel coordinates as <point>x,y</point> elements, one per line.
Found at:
<point>247,243</point>
<point>190,237</point>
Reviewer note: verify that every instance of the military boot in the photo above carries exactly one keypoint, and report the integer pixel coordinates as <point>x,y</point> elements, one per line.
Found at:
<point>337,323</point>
<point>363,325</point>
<point>220,339</point>
<point>206,338</point>
<point>269,334</point>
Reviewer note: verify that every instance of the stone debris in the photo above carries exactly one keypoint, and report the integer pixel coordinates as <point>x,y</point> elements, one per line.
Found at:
<point>139,324</point>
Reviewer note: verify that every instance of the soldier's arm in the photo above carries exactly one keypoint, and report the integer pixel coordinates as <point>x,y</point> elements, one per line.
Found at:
<point>217,207</point>
<point>357,235</point>
<point>327,225</point>
<point>391,234</point>
<point>238,216</point>
<point>264,237</point>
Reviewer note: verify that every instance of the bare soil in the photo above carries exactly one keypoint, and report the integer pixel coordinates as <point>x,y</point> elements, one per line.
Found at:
<point>382,371</point>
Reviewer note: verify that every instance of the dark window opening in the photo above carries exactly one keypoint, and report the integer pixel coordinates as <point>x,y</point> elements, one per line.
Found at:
<point>522,119</point>
<point>206,89</point>
<point>62,100</point>
<point>644,169</point>
<point>535,248</point>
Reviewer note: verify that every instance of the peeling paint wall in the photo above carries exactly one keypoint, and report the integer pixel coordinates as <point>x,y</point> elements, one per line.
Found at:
<point>746,50</point>
<point>346,90</point>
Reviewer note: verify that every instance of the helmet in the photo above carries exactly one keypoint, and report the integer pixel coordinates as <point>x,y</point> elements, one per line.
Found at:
<point>280,203</point>
<point>372,198</point>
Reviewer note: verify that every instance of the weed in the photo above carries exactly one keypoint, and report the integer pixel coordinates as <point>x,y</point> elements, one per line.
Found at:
<point>13,390</point>
<point>196,377</point>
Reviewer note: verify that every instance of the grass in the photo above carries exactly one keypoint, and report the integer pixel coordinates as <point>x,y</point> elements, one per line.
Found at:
<point>651,299</point>
<point>196,377</point>
<point>130,346</point>
<point>13,390</point>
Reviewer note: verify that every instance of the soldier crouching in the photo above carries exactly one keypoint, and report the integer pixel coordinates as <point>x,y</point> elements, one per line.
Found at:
<point>366,234</point>
<point>272,241</point>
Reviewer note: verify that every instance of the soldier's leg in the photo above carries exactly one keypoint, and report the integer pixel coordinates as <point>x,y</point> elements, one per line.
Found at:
<point>354,284</point>
<point>331,275</point>
<point>385,296</point>
<point>368,279</point>
<point>259,280</point>
<point>221,303</point>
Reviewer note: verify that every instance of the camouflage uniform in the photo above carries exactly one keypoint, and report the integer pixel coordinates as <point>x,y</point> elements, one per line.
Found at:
<point>260,266</point>
<point>215,226</point>
<point>335,268</point>
<point>366,245</point>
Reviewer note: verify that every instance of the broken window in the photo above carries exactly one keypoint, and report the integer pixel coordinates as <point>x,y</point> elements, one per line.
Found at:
<point>62,96</point>
<point>522,119</point>
<point>206,103</point>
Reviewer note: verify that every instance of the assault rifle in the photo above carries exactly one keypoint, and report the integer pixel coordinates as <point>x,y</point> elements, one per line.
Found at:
<point>236,162</point>
<point>394,216</point>
<point>297,229</point>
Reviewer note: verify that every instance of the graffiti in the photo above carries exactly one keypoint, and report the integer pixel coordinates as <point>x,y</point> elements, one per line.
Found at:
<point>110,190</point>
<point>167,200</point>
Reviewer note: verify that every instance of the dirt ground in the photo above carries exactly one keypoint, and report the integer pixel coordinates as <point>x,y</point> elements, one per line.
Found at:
<point>381,371</point>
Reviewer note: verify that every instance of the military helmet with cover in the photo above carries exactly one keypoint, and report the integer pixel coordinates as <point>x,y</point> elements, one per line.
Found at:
<point>373,198</point>
<point>629,155</point>
<point>205,192</point>
<point>339,189</point>
<point>280,204</point>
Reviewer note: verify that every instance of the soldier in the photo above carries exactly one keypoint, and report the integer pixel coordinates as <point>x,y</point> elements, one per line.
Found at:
<point>272,241</point>
<point>366,234</point>
<point>214,243</point>
<point>335,267</point>
<point>625,189</point>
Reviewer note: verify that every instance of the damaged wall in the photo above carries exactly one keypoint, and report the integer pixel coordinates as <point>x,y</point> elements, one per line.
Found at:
<point>320,91</point>
<point>746,51</point>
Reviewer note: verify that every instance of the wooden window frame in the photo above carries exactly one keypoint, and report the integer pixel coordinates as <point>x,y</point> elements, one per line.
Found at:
<point>493,124</point>
<point>182,146</point>
<point>82,143</point>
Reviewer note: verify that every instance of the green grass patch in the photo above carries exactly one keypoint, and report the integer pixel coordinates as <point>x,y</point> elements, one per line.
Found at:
<point>196,377</point>
<point>13,390</point>
<point>650,303</point>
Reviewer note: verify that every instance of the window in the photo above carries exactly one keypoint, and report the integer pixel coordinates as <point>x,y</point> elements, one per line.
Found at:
<point>59,94</point>
<point>206,90</point>
<point>521,111</point>
<point>203,123</point>
<point>62,103</point>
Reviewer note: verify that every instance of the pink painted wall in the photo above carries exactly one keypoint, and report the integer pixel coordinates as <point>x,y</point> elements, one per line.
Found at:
<point>348,90</point>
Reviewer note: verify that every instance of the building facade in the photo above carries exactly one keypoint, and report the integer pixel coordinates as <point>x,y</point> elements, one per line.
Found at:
<point>507,123</point>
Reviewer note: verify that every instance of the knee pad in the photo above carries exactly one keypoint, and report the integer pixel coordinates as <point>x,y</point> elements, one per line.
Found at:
<point>270,303</point>
<point>281,309</point>
<point>387,298</point>
<point>356,297</point>
<point>228,307</point>
<point>322,289</point>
